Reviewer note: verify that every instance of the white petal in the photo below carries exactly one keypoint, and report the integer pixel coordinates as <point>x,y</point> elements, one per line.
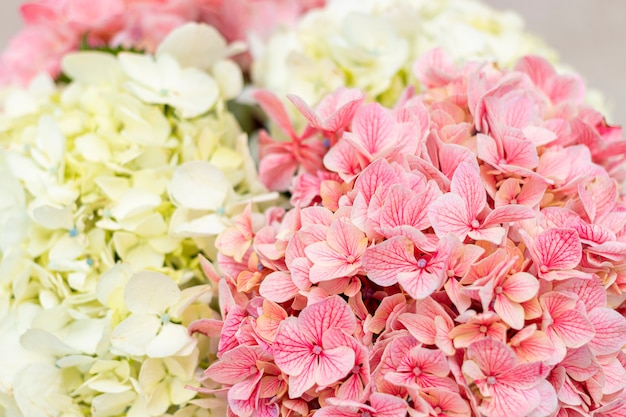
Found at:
<point>183,224</point>
<point>113,187</point>
<point>66,248</point>
<point>193,93</point>
<point>199,185</point>
<point>93,147</point>
<point>134,201</point>
<point>51,139</point>
<point>150,292</point>
<point>39,340</point>
<point>92,67</point>
<point>179,393</point>
<point>52,217</point>
<point>140,68</point>
<point>170,340</point>
<point>152,372</point>
<point>112,282</point>
<point>112,404</point>
<point>39,392</point>
<point>153,225</point>
<point>133,334</point>
<point>144,256</point>
<point>229,78</point>
<point>194,45</point>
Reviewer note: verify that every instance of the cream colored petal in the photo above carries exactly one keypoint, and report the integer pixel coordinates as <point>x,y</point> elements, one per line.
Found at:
<point>194,45</point>
<point>150,292</point>
<point>133,334</point>
<point>92,67</point>
<point>199,185</point>
<point>170,340</point>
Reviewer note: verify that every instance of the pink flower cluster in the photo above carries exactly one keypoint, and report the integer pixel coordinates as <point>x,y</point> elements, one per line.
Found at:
<point>462,254</point>
<point>55,27</point>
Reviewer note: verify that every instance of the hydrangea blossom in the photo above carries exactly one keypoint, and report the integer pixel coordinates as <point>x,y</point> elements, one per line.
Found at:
<point>91,185</point>
<point>459,254</point>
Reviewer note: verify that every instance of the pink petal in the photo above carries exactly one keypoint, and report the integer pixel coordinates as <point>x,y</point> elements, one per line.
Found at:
<point>510,312</point>
<point>508,401</point>
<point>237,364</point>
<point>331,313</point>
<point>278,287</point>
<point>520,287</point>
<point>388,405</point>
<point>373,130</point>
<point>383,262</point>
<point>435,68</point>
<point>468,185</point>
<point>303,381</point>
<point>292,348</point>
<point>334,364</point>
<point>610,327</point>
<point>344,160</point>
<point>448,215</point>
<point>451,156</point>
<point>558,248</point>
<point>305,110</point>
<point>492,356</point>
<point>275,110</point>
<point>277,170</point>
<point>510,213</point>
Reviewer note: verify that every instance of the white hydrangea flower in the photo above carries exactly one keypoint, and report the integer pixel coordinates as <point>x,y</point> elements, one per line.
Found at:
<point>84,176</point>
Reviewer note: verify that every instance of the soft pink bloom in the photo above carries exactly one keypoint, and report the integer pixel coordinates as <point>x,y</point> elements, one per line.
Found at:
<point>461,210</point>
<point>310,348</point>
<point>509,386</point>
<point>564,321</point>
<point>556,252</point>
<point>398,260</point>
<point>339,255</point>
<point>478,327</point>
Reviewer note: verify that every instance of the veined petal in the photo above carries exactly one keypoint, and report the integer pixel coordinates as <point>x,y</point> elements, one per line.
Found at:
<point>467,184</point>
<point>278,287</point>
<point>333,365</point>
<point>448,215</point>
<point>292,349</point>
<point>492,356</point>
<point>558,248</point>
<point>383,262</point>
<point>520,287</point>
<point>610,331</point>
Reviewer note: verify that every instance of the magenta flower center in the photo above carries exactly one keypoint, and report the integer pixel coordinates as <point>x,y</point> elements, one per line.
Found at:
<point>351,259</point>
<point>491,380</point>
<point>475,224</point>
<point>356,369</point>
<point>513,201</point>
<point>482,329</point>
<point>544,268</point>
<point>498,290</point>
<point>417,371</point>
<point>366,414</point>
<point>450,273</point>
<point>421,263</point>
<point>437,410</point>
<point>317,349</point>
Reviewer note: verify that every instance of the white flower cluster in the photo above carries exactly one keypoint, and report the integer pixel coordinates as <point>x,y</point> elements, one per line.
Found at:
<point>110,188</point>
<point>371,45</point>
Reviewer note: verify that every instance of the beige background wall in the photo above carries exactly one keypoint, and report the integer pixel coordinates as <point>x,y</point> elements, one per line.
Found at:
<point>589,34</point>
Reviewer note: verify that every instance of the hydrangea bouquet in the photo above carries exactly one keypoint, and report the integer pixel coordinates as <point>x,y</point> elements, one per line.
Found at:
<point>432,224</point>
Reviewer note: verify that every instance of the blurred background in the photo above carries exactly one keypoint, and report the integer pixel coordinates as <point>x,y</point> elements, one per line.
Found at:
<point>589,35</point>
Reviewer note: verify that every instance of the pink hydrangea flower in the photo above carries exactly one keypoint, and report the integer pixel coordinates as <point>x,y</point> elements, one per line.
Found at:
<point>462,255</point>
